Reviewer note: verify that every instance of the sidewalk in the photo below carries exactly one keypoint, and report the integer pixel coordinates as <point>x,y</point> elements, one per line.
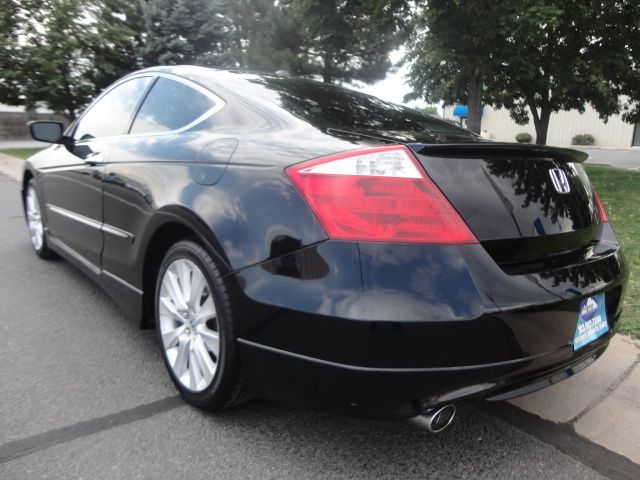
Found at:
<point>602,402</point>
<point>11,166</point>
<point>27,143</point>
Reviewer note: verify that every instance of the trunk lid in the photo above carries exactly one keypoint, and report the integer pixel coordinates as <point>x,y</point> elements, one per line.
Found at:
<point>525,204</point>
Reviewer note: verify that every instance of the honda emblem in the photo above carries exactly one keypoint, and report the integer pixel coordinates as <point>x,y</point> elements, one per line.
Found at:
<point>560,180</point>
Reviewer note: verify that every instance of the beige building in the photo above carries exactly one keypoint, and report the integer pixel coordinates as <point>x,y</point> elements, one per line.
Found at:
<point>498,126</point>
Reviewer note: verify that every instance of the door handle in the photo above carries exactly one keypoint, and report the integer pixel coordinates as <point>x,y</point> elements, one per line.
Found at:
<point>94,158</point>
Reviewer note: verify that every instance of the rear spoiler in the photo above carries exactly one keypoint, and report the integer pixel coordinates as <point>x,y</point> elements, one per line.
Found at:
<point>491,148</point>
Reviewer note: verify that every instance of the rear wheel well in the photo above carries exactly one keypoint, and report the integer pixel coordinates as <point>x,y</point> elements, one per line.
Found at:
<point>161,241</point>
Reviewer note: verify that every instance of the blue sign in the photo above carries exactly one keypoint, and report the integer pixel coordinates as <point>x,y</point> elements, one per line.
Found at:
<point>462,111</point>
<point>592,321</point>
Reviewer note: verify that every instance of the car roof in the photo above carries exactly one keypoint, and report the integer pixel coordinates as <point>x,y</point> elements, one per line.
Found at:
<point>320,105</point>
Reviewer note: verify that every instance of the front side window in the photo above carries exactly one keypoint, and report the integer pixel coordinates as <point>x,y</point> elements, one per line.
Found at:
<point>170,105</point>
<point>111,115</point>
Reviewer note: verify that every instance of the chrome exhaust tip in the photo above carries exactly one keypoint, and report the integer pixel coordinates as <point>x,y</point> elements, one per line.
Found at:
<point>437,419</point>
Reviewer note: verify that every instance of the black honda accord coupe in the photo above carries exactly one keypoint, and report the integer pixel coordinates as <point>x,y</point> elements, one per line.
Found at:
<point>310,244</point>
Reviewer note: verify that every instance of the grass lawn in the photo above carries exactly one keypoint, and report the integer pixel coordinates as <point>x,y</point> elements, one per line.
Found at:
<point>620,193</point>
<point>20,152</point>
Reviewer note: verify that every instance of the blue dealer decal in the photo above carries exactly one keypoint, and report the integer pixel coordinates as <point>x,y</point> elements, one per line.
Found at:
<point>592,321</point>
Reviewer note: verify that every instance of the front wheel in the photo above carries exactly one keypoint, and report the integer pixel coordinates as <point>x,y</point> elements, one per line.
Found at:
<point>35,222</point>
<point>195,328</point>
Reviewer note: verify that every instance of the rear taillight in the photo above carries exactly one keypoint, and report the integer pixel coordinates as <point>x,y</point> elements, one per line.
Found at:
<point>603,214</point>
<point>379,194</point>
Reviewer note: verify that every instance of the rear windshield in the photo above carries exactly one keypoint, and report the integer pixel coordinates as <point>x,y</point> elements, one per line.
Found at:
<point>330,106</point>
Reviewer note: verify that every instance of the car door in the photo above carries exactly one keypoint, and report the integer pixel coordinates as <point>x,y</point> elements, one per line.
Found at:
<point>156,164</point>
<point>71,179</point>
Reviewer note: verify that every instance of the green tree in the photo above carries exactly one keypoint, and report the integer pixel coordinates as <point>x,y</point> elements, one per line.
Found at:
<point>117,41</point>
<point>185,31</point>
<point>617,50</point>
<point>56,57</point>
<point>268,37</point>
<point>452,52</point>
<point>10,19</point>
<point>556,59</point>
<point>534,57</point>
<point>430,110</point>
<point>351,40</point>
<point>64,51</point>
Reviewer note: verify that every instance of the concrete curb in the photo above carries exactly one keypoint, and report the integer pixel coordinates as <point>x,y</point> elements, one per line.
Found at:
<point>602,402</point>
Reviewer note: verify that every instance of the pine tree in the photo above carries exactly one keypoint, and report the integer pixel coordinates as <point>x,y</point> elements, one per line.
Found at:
<point>10,61</point>
<point>117,41</point>
<point>268,37</point>
<point>185,31</point>
<point>351,40</point>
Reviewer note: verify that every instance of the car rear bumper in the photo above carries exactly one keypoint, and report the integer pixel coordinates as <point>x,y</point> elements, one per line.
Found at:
<point>391,330</point>
<point>402,392</point>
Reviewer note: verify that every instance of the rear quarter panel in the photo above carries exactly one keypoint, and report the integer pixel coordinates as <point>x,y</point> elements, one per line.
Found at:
<point>250,214</point>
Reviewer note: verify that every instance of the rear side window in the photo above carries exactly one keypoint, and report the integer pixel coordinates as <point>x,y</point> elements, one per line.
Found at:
<point>170,105</point>
<point>326,106</point>
<point>111,115</point>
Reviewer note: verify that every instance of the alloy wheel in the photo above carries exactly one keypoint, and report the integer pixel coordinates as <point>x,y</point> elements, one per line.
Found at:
<point>189,325</point>
<point>34,218</point>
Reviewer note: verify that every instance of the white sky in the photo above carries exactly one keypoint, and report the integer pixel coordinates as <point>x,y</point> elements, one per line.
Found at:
<point>393,87</point>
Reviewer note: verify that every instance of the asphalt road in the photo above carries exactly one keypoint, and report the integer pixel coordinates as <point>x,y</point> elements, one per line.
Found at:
<point>620,158</point>
<point>84,395</point>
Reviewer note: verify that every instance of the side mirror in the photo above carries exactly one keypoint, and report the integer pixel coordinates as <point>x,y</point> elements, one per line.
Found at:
<point>46,131</point>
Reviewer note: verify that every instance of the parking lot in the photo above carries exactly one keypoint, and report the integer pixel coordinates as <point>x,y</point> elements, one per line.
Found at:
<point>84,394</point>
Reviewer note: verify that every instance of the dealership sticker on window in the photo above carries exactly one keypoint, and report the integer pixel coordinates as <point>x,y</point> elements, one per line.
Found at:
<point>592,321</point>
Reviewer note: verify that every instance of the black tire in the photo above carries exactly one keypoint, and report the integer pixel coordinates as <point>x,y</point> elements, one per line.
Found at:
<point>225,390</point>
<point>42,250</point>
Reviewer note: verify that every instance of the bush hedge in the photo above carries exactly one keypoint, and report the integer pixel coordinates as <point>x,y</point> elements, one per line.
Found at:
<point>524,137</point>
<point>583,139</point>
